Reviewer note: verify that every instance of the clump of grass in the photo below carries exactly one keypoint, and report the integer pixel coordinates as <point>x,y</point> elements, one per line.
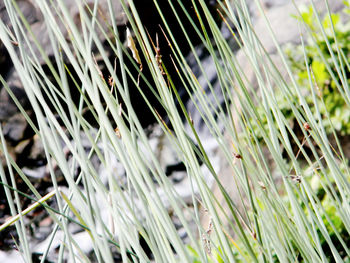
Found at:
<point>286,222</point>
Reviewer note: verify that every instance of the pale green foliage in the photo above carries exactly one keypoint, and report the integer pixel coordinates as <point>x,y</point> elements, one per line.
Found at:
<point>284,222</point>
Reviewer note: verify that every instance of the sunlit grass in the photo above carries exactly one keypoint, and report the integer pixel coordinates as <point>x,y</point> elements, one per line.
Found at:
<point>274,222</point>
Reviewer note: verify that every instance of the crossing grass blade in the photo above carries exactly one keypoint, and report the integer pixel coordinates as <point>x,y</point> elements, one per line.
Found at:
<point>278,216</point>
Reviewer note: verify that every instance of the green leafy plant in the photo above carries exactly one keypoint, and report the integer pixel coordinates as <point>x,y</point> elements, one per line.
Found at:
<point>315,57</point>
<point>327,47</point>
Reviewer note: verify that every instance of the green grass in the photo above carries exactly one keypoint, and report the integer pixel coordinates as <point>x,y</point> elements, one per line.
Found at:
<point>282,215</point>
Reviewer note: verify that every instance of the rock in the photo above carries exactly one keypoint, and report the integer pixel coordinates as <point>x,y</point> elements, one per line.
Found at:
<point>9,113</point>
<point>8,107</point>
<point>29,12</point>
<point>286,31</point>
<point>40,32</point>
<point>27,7</point>
<point>285,26</point>
<point>9,257</point>
<point>37,150</point>
<point>32,11</point>
<point>34,173</point>
<point>14,129</point>
<point>265,4</point>
<point>21,146</point>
